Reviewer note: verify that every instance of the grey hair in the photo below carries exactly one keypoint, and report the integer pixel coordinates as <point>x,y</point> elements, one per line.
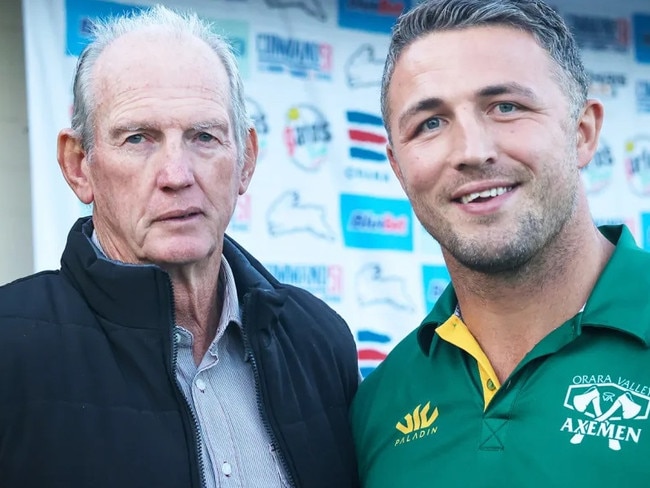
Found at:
<point>532,16</point>
<point>104,32</point>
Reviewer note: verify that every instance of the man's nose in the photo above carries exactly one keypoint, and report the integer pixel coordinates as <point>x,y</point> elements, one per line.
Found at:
<point>472,142</point>
<point>176,169</point>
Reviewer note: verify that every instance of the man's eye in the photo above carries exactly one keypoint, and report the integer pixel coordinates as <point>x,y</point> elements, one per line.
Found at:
<point>506,108</point>
<point>204,137</point>
<point>431,124</point>
<point>135,139</point>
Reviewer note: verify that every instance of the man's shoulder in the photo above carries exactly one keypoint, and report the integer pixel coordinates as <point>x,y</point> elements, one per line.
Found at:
<point>36,297</point>
<point>27,289</point>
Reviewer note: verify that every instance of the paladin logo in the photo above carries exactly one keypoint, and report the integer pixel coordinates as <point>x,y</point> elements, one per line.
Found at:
<point>606,409</point>
<point>419,424</point>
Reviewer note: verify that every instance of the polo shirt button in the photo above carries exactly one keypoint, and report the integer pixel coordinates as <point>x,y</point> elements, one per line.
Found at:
<point>226,469</point>
<point>177,337</point>
<point>490,385</point>
<point>200,384</point>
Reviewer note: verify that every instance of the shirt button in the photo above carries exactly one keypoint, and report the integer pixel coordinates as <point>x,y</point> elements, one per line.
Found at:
<point>226,469</point>
<point>490,385</point>
<point>177,337</point>
<point>200,384</point>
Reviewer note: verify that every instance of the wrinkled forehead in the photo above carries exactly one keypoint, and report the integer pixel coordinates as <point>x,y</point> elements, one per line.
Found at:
<point>154,58</point>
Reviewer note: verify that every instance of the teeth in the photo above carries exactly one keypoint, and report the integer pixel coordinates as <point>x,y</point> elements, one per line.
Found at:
<point>492,192</point>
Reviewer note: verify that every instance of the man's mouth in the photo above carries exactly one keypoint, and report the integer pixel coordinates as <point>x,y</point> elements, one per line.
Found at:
<point>482,196</point>
<point>180,214</point>
<point>183,216</point>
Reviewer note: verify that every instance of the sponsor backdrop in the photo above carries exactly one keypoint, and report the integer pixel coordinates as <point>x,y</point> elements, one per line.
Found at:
<point>324,210</point>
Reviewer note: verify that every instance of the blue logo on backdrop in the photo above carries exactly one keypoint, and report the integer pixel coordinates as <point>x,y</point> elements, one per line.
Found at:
<point>80,15</point>
<point>326,282</point>
<point>236,31</point>
<point>600,33</point>
<point>643,96</point>
<point>376,223</point>
<point>605,85</point>
<point>435,279</point>
<point>367,147</point>
<point>645,229</point>
<point>373,347</point>
<point>641,25</point>
<point>371,15</point>
<point>367,137</point>
<point>302,59</point>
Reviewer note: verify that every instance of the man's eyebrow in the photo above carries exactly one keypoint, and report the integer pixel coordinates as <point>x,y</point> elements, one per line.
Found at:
<point>128,126</point>
<point>421,106</point>
<point>211,124</point>
<point>513,88</point>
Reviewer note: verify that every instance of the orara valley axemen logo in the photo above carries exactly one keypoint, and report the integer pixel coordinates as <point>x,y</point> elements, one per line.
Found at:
<point>417,425</point>
<point>606,409</point>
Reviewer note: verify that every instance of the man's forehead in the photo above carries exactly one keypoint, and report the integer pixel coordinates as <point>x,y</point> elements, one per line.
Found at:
<point>469,51</point>
<point>154,59</point>
<point>156,50</point>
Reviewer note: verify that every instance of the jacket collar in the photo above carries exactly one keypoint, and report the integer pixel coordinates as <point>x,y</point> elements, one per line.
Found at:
<point>140,296</point>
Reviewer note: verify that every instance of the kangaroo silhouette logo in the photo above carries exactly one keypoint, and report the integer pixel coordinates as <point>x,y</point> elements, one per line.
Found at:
<point>314,8</point>
<point>375,287</point>
<point>606,410</point>
<point>364,67</point>
<point>287,214</point>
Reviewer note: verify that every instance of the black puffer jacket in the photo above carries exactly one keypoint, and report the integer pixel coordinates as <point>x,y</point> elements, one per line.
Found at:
<point>88,396</point>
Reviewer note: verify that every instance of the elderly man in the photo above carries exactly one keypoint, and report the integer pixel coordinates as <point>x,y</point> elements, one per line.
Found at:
<point>532,368</point>
<point>162,354</point>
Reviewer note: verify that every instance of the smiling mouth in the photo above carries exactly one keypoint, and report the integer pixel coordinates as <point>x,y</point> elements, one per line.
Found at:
<point>485,195</point>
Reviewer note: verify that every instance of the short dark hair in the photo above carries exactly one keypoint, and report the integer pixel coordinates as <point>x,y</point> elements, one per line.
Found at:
<point>532,16</point>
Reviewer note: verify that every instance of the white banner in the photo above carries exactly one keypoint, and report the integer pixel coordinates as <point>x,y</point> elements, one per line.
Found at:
<point>324,210</point>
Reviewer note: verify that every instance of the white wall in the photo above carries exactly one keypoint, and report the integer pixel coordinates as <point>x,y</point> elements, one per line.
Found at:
<point>15,202</point>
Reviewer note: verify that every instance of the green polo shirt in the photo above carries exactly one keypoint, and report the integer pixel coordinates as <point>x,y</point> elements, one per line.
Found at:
<point>574,413</point>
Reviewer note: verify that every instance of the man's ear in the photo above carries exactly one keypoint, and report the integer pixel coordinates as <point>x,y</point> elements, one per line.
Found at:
<point>588,131</point>
<point>250,160</point>
<point>74,165</point>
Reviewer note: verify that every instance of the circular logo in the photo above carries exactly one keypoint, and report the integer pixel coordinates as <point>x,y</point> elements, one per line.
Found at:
<point>258,116</point>
<point>307,136</point>
<point>598,173</point>
<point>637,164</point>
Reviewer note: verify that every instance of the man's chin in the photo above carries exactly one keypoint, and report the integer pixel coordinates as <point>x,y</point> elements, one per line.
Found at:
<point>181,254</point>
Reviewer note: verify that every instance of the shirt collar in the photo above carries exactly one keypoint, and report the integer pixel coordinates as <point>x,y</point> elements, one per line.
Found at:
<point>230,310</point>
<point>618,301</point>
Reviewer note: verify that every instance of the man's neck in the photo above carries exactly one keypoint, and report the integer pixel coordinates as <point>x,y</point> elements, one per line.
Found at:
<point>198,302</point>
<point>508,317</point>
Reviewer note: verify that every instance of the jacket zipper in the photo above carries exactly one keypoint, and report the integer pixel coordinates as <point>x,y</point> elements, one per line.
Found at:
<point>179,391</point>
<point>260,407</point>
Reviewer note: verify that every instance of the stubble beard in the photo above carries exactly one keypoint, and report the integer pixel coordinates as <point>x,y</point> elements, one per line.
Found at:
<point>509,250</point>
